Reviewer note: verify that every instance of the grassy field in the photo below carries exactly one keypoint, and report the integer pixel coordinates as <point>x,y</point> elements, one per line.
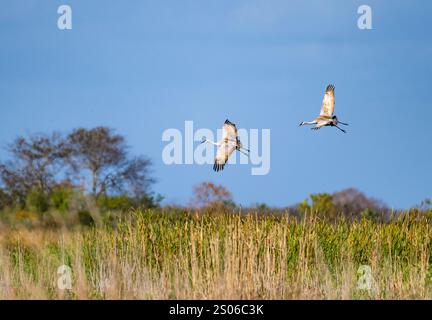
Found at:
<point>156,255</point>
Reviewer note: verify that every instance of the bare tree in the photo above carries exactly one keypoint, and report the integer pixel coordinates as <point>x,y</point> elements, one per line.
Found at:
<point>207,194</point>
<point>355,204</point>
<point>36,162</point>
<point>353,201</point>
<point>104,155</point>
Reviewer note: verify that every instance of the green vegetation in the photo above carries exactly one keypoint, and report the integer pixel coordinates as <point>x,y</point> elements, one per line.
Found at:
<point>178,254</point>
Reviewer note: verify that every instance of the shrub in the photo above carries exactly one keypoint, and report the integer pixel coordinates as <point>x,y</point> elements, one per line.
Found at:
<point>60,197</point>
<point>5,199</point>
<point>37,201</point>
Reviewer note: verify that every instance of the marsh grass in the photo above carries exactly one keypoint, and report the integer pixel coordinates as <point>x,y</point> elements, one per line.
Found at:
<point>155,255</point>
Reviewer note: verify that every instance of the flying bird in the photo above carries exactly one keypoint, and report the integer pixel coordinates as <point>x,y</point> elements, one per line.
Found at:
<point>229,143</point>
<point>326,117</point>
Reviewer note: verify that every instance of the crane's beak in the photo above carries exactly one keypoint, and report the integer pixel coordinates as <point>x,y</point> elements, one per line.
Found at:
<point>204,140</point>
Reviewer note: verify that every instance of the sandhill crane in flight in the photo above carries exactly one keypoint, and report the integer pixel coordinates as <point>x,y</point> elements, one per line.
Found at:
<point>326,117</point>
<point>230,142</point>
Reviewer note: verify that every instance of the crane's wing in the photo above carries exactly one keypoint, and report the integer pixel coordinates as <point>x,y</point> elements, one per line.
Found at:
<point>327,107</point>
<point>229,131</point>
<point>223,153</point>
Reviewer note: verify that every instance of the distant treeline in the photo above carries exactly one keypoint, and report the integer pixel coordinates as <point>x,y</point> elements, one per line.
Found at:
<point>349,204</point>
<point>88,176</point>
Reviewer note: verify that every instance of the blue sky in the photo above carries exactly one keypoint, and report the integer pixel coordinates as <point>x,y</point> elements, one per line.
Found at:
<point>144,66</point>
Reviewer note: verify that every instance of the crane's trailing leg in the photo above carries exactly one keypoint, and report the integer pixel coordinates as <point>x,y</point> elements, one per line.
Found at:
<point>241,151</point>
<point>240,148</point>
<point>340,129</point>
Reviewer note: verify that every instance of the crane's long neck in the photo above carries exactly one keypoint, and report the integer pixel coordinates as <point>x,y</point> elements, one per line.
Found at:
<point>211,142</point>
<point>308,122</point>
